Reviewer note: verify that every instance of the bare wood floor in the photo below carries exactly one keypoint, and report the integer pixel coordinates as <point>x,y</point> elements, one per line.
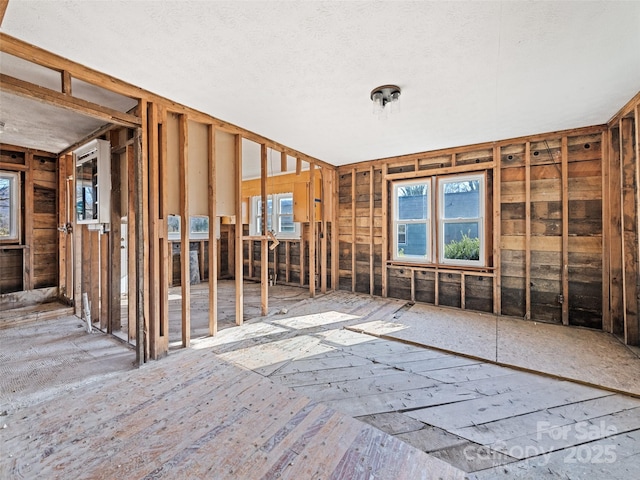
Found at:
<point>191,415</point>
<point>483,418</point>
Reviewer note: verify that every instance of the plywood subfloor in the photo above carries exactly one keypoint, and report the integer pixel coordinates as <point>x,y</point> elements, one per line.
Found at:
<point>588,356</point>
<point>191,415</point>
<point>485,419</point>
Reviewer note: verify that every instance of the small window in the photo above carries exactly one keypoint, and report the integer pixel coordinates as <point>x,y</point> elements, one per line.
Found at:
<point>9,206</point>
<point>198,227</point>
<point>412,222</point>
<point>279,216</point>
<point>462,220</point>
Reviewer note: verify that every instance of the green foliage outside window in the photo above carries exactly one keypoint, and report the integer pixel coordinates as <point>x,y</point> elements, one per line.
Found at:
<point>465,249</point>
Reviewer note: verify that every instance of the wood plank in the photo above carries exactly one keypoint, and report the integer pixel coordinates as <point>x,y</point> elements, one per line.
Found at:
<point>29,266</point>
<point>312,230</point>
<point>497,233</point>
<point>335,257</point>
<point>371,240</point>
<point>629,230</point>
<point>138,248</point>
<point>616,280</point>
<point>565,232</point>
<point>57,99</point>
<point>264,252</point>
<point>527,263</point>
<point>238,251</point>
<point>185,273</point>
<point>385,230</point>
<point>132,297</point>
<point>607,324</point>
<point>213,240</point>
<point>353,230</point>
<point>153,200</point>
<point>114,292</point>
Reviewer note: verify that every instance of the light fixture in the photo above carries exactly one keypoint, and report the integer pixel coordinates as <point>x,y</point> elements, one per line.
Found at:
<point>386,95</point>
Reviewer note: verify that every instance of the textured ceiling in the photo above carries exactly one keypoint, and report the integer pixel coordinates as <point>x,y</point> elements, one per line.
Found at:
<point>300,73</point>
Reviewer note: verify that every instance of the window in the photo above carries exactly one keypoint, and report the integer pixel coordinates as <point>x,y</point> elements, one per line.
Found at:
<point>461,220</point>
<point>453,234</point>
<point>9,206</point>
<point>279,216</point>
<point>411,219</point>
<point>198,227</point>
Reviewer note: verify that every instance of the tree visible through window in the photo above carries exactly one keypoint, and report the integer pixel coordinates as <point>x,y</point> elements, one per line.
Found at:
<point>9,205</point>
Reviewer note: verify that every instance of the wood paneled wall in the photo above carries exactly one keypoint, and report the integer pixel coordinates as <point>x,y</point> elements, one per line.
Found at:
<point>32,262</point>
<point>545,237</point>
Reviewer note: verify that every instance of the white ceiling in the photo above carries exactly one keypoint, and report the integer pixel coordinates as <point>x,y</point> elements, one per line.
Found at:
<point>300,73</point>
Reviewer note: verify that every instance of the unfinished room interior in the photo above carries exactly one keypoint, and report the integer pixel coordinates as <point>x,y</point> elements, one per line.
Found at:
<point>319,240</point>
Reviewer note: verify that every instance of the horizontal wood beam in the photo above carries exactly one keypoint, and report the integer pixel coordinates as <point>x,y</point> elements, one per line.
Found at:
<point>474,167</point>
<point>57,99</point>
<point>410,158</point>
<point>39,56</point>
<point>3,9</point>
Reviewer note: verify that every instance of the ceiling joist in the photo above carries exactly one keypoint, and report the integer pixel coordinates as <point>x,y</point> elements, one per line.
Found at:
<point>51,97</point>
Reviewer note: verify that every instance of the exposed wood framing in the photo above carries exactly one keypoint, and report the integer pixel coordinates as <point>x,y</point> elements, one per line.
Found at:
<point>139,248</point>
<point>325,186</point>
<point>607,325</point>
<point>143,157</point>
<point>312,230</point>
<point>66,82</point>
<point>565,232</point>
<point>155,346</point>
<point>238,234</point>
<point>497,232</point>
<point>213,240</point>
<point>3,9</point>
<point>115,234</point>
<point>51,97</point>
<point>629,230</point>
<point>47,59</point>
<point>131,246</point>
<point>385,228</point>
<point>185,274</point>
<point>335,242</point>
<point>165,252</point>
<point>283,162</point>
<point>264,252</point>
<point>527,261</point>
<point>353,230</point>
<point>28,223</point>
<point>371,239</point>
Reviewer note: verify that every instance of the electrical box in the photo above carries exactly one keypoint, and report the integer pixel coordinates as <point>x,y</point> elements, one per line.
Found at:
<point>93,182</point>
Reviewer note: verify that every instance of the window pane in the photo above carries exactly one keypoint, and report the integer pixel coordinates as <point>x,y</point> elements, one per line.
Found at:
<point>286,206</point>
<point>286,224</point>
<point>462,199</point>
<point>412,202</point>
<point>269,206</point>
<point>461,241</point>
<point>402,233</point>
<point>415,240</point>
<point>199,224</point>
<point>5,207</point>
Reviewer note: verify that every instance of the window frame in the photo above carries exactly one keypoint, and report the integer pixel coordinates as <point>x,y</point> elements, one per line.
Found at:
<point>15,207</point>
<point>255,217</point>
<point>442,220</point>
<point>396,222</point>
<point>436,220</point>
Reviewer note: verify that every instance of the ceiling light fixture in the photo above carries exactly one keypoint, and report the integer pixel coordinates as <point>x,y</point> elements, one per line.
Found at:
<point>385,96</point>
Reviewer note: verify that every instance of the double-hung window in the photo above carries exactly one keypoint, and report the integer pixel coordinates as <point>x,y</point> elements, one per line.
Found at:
<point>461,220</point>
<point>9,206</point>
<point>439,220</point>
<point>279,216</point>
<point>412,221</point>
